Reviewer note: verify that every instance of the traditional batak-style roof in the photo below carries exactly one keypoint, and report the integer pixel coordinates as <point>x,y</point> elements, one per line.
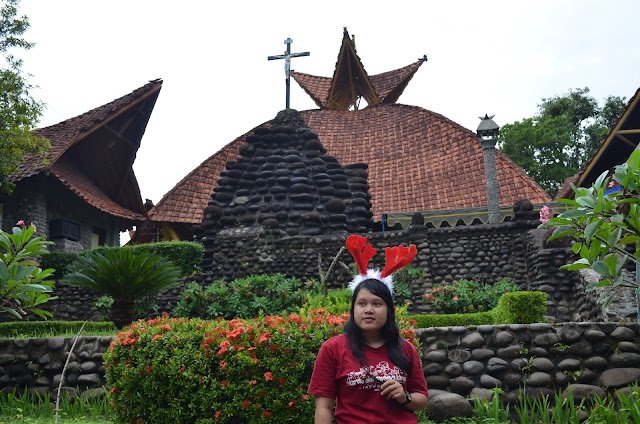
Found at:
<point>418,160</point>
<point>92,154</point>
<point>623,137</point>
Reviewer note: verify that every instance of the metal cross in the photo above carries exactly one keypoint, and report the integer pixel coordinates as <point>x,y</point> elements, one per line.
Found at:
<point>287,64</point>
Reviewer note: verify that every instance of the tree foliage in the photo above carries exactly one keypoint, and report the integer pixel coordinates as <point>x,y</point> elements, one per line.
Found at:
<point>604,226</point>
<point>556,143</point>
<point>19,111</point>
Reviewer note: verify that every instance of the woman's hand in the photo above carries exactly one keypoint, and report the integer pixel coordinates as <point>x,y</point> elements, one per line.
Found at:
<point>392,389</point>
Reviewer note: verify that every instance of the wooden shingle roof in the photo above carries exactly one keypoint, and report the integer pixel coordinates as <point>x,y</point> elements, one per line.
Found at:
<point>93,153</point>
<point>418,160</point>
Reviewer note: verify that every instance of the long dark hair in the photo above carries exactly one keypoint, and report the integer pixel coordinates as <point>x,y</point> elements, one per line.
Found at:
<point>389,331</point>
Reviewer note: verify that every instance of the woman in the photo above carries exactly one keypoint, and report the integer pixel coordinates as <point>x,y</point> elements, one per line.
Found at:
<point>372,373</point>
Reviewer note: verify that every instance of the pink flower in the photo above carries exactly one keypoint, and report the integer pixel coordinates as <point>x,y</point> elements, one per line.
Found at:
<point>20,223</point>
<point>35,230</point>
<point>546,213</point>
<point>455,298</point>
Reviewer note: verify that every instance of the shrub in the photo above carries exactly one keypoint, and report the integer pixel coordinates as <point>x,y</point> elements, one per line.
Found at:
<point>243,297</point>
<point>513,308</point>
<point>186,256</point>
<point>521,308</point>
<point>338,301</point>
<point>464,296</point>
<point>175,370</point>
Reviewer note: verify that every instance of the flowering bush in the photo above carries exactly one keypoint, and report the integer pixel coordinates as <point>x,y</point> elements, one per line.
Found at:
<point>464,296</point>
<point>243,297</point>
<point>176,370</point>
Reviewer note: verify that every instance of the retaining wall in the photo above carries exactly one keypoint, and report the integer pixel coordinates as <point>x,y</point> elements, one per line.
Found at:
<point>592,357</point>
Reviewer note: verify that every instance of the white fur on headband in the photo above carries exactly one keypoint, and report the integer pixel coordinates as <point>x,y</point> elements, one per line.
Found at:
<point>375,274</point>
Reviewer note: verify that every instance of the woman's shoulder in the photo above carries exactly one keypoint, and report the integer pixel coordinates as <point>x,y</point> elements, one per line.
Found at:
<point>336,341</point>
<point>408,346</point>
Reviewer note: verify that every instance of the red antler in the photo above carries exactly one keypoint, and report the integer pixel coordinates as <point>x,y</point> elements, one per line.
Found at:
<point>361,251</point>
<point>396,258</point>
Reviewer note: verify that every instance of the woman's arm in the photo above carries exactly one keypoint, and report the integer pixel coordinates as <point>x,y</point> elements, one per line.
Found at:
<point>324,410</point>
<point>418,402</point>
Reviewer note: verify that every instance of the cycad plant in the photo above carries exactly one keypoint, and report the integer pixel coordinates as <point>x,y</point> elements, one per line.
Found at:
<point>123,275</point>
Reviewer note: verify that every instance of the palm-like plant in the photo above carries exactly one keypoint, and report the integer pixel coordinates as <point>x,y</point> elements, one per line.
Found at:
<point>124,276</point>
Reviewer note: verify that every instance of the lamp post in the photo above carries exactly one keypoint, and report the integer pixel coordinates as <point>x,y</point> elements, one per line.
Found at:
<point>488,133</point>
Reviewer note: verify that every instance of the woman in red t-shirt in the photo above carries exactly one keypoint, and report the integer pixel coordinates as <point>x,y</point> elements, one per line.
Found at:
<point>369,374</point>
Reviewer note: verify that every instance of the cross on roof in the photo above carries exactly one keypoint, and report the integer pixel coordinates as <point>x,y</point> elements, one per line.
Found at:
<point>287,64</point>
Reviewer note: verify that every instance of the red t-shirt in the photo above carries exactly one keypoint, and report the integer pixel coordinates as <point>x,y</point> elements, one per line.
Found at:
<point>338,374</point>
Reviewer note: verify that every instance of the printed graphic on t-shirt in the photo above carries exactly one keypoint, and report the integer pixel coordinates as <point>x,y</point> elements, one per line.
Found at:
<point>371,378</point>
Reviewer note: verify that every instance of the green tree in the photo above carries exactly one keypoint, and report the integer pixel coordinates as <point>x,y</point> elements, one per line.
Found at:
<point>19,111</point>
<point>604,227</point>
<point>123,275</point>
<point>24,286</point>
<point>556,143</point>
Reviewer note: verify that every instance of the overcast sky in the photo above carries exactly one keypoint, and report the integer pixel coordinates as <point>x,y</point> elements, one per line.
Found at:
<point>496,57</point>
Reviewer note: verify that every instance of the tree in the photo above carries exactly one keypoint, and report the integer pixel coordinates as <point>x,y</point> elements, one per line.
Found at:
<point>19,111</point>
<point>556,143</point>
<point>123,275</point>
<point>605,227</point>
<point>24,286</point>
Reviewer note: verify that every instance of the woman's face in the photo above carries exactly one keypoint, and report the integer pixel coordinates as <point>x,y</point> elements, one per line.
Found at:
<point>369,311</point>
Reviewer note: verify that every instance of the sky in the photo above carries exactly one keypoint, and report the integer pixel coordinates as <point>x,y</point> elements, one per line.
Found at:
<point>495,57</point>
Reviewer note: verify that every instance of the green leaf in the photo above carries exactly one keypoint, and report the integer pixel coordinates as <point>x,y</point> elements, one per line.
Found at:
<point>602,268</point>
<point>634,160</point>
<point>591,229</point>
<point>600,180</point>
<point>586,201</point>
<point>574,213</point>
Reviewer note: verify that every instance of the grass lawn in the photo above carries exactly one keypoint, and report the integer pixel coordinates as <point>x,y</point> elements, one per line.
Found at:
<point>32,420</point>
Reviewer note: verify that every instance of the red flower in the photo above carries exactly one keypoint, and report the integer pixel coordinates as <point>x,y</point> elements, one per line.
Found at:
<point>266,414</point>
<point>245,404</point>
<point>268,376</point>
<point>253,382</point>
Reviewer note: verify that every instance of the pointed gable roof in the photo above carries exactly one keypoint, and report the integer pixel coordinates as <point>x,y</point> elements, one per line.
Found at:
<point>350,81</point>
<point>93,153</point>
<point>623,137</point>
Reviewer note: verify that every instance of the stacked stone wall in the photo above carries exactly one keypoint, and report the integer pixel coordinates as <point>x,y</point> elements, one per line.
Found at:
<point>593,358</point>
<point>487,253</point>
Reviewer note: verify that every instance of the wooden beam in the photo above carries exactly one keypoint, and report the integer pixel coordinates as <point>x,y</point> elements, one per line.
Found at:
<point>626,140</point>
<point>636,131</point>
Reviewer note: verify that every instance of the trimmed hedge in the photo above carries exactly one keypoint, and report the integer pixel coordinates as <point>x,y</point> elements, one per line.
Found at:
<point>513,308</point>
<point>186,255</point>
<point>21,329</point>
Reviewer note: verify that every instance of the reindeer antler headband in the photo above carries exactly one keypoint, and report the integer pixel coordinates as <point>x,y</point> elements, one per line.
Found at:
<point>397,257</point>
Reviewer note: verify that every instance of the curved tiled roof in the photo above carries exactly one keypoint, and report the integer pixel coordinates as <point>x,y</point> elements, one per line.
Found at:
<point>77,182</point>
<point>418,160</point>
